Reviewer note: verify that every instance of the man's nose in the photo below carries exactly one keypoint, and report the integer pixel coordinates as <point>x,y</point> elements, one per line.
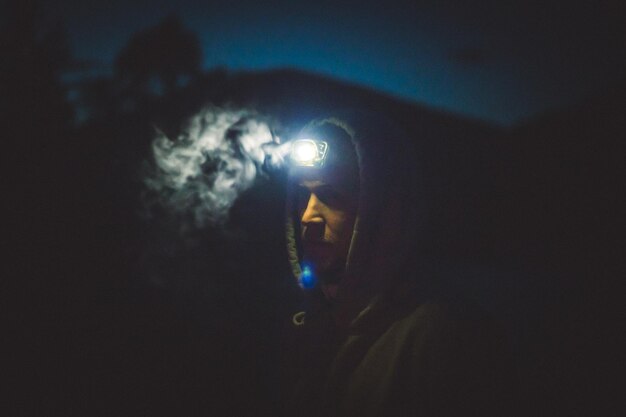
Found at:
<point>313,223</point>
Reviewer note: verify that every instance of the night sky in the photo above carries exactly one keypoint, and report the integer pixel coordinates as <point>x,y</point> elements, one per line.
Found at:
<point>494,62</point>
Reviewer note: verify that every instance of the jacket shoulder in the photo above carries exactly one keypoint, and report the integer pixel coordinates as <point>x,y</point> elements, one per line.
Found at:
<point>459,351</point>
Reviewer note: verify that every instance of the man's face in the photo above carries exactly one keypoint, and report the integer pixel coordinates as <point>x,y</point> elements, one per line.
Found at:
<point>327,206</point>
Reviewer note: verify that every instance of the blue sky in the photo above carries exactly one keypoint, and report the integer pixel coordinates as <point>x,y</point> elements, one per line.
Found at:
<point>494,62</point>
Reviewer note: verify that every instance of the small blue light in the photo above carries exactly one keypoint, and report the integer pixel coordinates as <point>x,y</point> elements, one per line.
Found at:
<point>308,279</point>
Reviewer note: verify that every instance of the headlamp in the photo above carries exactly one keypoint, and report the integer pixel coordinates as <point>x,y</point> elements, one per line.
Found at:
<point>309,152</point>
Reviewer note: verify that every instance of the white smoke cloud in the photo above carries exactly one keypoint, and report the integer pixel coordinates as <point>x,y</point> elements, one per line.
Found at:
<point>217,157</point>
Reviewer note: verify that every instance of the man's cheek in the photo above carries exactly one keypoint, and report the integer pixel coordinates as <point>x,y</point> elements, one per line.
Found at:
<point>343,230</point>
<point>333,235</point>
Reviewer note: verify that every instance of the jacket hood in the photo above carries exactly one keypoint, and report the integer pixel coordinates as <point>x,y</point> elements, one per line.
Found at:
<point>385,224</point>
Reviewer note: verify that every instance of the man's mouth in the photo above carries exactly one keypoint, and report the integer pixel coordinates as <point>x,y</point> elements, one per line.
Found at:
<point>313,232</point>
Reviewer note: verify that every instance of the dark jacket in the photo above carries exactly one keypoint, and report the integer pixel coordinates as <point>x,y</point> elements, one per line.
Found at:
<point>384,346</point>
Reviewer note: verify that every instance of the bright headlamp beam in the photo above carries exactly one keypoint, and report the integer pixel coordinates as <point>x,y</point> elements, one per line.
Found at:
<point>305,152</point>
<point>309,152</point>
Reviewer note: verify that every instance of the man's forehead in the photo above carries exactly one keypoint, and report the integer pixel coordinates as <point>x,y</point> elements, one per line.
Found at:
<point>316,177</point>
<point>312,183</point>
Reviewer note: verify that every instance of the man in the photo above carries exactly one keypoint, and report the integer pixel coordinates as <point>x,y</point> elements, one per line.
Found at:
<point>372,341</point>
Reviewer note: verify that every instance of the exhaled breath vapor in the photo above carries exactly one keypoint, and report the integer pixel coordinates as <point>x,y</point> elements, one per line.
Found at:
<point>217,157</point>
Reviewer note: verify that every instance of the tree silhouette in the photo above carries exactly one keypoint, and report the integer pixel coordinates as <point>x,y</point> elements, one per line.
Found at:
<point>165,54</point>
<point>99,99</point>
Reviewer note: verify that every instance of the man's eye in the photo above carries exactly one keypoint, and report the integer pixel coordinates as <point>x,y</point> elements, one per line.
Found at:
<point>329,196</point>
<point>302,197</point>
